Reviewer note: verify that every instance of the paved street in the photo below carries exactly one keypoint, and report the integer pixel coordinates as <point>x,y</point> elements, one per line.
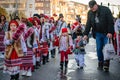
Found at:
<point>51,71</point>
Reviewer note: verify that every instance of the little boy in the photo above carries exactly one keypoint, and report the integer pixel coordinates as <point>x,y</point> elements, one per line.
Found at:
<point>79,51</point>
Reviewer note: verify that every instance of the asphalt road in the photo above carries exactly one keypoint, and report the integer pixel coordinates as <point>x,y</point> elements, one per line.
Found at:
<point>51,70</point>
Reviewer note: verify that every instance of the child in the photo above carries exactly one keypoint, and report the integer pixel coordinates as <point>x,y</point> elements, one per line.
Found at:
<point>65,42</point>
<point>79,51</point>
<point>14,50</point>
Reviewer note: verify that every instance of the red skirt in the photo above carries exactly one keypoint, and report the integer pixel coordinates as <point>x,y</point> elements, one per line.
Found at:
<point>14,60</point>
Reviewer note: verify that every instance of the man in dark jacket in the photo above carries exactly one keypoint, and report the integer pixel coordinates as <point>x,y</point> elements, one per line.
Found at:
<point>100,19</point>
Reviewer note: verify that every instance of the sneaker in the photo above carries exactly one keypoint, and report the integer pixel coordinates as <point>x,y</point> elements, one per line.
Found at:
<point>29,73</point>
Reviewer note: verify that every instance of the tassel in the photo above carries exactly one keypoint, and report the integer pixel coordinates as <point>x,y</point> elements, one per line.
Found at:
<point>29,32</point>
<point>18,32</point>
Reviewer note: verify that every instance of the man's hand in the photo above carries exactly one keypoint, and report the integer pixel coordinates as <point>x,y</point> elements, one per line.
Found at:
<point>85,37</point>
<point>109,35</point>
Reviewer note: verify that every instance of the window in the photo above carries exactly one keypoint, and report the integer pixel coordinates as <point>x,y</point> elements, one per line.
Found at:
<point>21,5</point>
<point>47,12</point>
<point>30,5</point>
<point>40,11</point>
<point>47,5</point>
<point>39,5</point>
<point>47,0</point>
<point>5,5</point>
<point>14,5</point>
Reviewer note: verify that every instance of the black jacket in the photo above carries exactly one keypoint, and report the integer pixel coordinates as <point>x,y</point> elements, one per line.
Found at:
<point>106,23</point>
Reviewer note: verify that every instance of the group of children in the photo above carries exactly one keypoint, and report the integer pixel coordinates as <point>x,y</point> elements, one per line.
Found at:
<point>29,41</point>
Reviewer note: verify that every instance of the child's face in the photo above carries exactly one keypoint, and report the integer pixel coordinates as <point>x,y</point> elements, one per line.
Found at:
<point>13,27</point>
<point>36,23</point>
<point>78,37</point>
<point>64,34</point>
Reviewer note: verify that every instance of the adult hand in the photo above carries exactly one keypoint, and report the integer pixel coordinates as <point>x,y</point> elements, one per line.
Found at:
<point>85,37</point>
<point>109,35</point>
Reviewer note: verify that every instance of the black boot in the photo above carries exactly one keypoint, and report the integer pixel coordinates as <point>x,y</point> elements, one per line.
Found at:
<point>47,57</point>
<point>100,65</point>
<point>106,65</point>
<point>12,77</point>
<point>44,60</point>
<point>17,76</point>
<point>66,66</point>
<point>36,66</point>
<point>53,53</point>
<point>61,65</point>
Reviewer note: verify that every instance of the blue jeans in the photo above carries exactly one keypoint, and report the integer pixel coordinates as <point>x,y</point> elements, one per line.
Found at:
<point>101,40</point>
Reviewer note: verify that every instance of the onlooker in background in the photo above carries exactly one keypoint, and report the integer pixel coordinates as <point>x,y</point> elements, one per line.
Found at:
<point>77,27</point>
<point>100,19</point>
<point>117,31</point>
<point>17,19</point>
<point>3,23</point>
<point>60,24</point>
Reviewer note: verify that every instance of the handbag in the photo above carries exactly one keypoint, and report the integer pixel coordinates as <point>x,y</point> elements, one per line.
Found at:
<point>108,50</point>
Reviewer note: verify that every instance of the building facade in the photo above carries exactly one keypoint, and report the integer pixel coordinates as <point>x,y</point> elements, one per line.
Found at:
<point>29,7</point>
<point>14,6</point>
<point>43,6</point>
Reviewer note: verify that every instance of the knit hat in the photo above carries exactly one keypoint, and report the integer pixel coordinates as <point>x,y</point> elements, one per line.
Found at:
<point>64,30</point>
<point>92,3</point>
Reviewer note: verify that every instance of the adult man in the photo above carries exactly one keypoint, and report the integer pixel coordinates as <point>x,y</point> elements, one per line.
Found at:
<point>60,24</point>
<point>101,21</point>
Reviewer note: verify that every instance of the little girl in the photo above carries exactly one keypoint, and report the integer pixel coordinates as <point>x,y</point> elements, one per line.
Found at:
<point>65,42</point>
<point>79,51</point>
<point>14,50</point>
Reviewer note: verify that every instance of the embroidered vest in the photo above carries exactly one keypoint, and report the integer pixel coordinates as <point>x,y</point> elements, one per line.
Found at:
<point>16,46</point>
